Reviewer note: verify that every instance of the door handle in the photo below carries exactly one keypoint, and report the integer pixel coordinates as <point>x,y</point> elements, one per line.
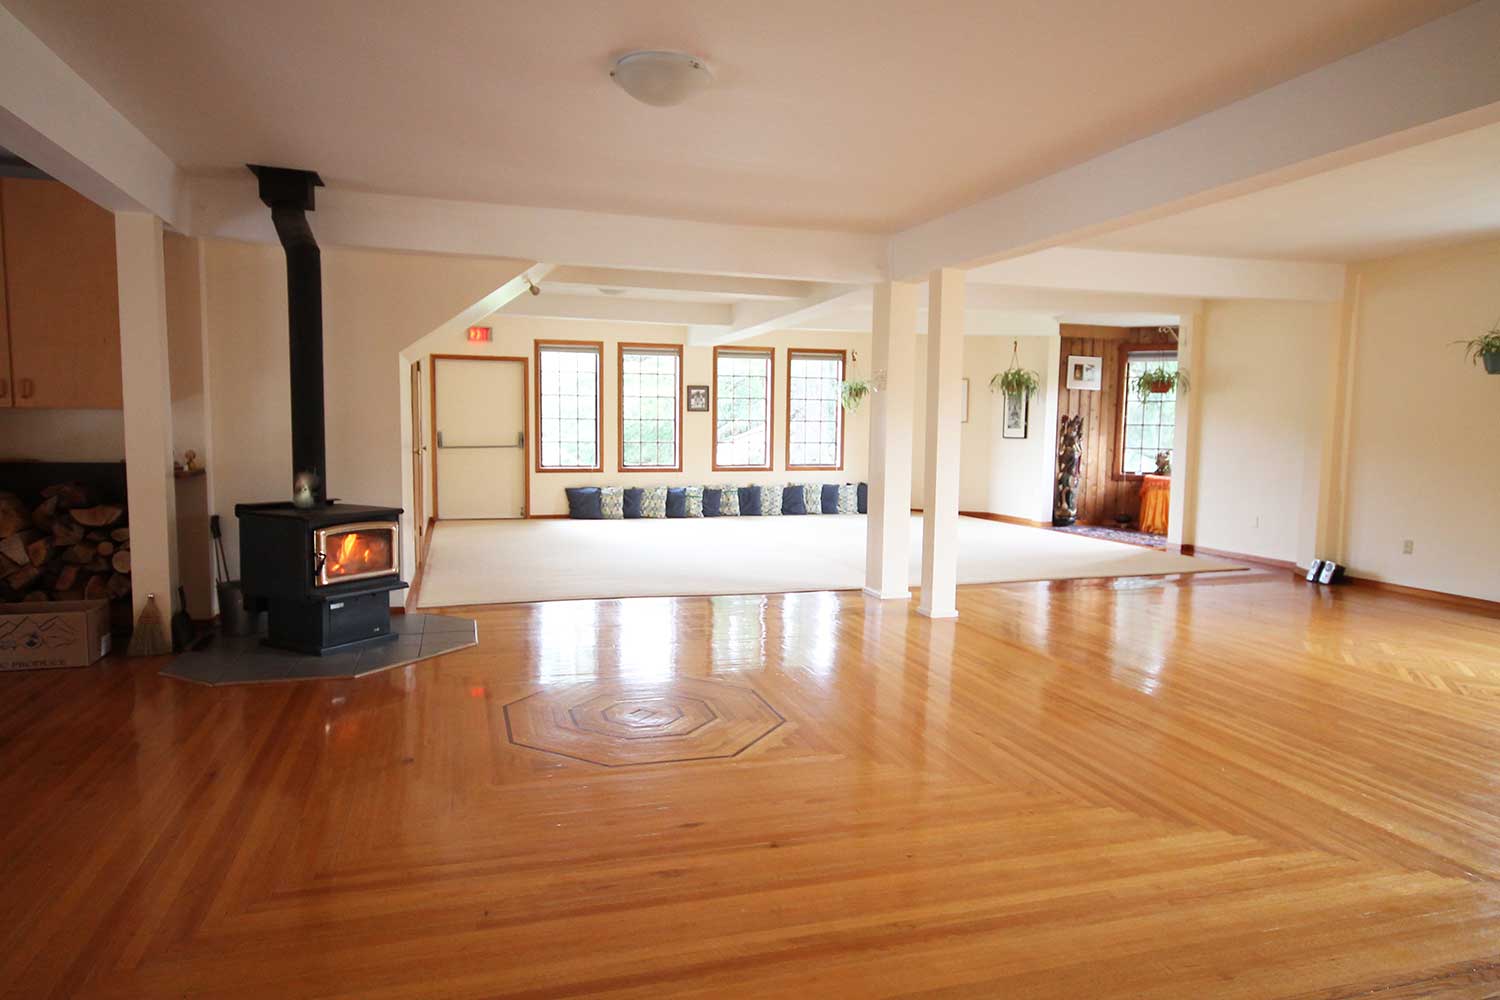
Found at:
<point>4,387</point>
<point>520,439</point>
<point>440,438</point>
<point>28,388</point>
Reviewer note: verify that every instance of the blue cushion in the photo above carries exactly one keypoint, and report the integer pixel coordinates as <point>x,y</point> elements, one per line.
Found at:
<point>864,498</point>
<point>633,501</point>
<point>583,503</point>
<point>710,501</point>
<point>792,501</point>
<point>750,501</point>
<point>830,498</point>
<point>677,501</point>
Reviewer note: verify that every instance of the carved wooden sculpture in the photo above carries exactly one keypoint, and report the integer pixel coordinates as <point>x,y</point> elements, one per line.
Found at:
<point>1069,471</point>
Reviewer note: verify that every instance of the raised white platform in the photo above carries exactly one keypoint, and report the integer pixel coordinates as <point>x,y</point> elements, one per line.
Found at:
<point>503,562</point>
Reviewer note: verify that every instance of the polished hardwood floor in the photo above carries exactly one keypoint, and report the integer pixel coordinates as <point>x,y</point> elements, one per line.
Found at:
<point>1234,785</point>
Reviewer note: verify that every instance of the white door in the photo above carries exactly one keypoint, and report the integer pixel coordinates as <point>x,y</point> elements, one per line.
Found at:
<point>480,427</point>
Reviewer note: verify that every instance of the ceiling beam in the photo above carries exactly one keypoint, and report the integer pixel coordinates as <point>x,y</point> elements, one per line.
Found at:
<point>750,319</point>
<point>1167,274</point>
<point>1435,80</point>
<point>229,208</point>
<point>550,305</point>
<point>59,124</point>
<point>729,286</point>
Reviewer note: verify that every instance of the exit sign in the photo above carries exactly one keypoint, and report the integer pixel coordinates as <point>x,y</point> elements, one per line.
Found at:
<point>479,335</point>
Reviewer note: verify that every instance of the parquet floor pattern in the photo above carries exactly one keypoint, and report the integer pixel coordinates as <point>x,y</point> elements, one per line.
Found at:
<point>1238,786</point>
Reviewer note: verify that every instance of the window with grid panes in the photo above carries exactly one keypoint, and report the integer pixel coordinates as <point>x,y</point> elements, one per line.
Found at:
<point>650,380</point>
<point>1148,425</point>
<point>815,420</point>
<point>742,409</point>
<point>568,390</point>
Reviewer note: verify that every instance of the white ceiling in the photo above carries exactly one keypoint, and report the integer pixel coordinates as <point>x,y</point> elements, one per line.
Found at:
<point>1441,192</point>
<point>854,114</point>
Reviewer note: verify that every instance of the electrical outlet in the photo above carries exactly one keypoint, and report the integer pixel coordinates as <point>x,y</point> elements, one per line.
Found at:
<point>1408,547</point>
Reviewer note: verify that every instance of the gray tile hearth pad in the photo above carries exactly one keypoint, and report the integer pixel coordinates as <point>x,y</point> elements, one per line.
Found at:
<point>247,660</point>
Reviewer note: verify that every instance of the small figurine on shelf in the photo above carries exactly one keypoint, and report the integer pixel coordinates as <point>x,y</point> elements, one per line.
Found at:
<point>1163,463</point>
<point>305,490</point>
<point>190,461</point>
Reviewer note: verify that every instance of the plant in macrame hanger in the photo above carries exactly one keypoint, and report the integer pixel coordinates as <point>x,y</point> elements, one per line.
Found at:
<point>855,390</point>
<point>1015,380</point>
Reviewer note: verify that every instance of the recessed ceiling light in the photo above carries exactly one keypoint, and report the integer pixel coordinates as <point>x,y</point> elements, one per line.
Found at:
<point>661,79</point>
<point>611,291</point>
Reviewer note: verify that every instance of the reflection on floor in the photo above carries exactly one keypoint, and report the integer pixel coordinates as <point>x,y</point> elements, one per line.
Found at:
<point>1122,535</point>
<point>1224,785</point>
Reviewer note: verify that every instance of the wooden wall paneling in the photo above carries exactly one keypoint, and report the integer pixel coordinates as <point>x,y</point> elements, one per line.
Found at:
<point>7,397</point>
<point>62,297</point>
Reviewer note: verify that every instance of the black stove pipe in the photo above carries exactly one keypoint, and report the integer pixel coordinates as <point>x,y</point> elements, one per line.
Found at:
<point>289,194</point>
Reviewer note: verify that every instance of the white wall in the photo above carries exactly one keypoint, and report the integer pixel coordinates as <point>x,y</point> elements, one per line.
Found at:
<point>1011,477</point>
<point>1426,425</point>
<point>62,435</point>
<point>1260,378</point>
<point>517,336</point>
<point>374,305</point>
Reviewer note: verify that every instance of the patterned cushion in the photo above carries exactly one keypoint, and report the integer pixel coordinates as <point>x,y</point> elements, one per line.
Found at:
<point>712,501</point>
<point>749,501</point>
<point>694,496</point>
<point>729,502</point>
<point>791,501</point>
<point>831,498</point>
<point>848,499</point>
<point>770,500</point>
<point>612,502</point>
<point>864,498</point>
<point>583,503</point>
<point>654,501</point>
<point>633,501</point>
<point>812,498</point>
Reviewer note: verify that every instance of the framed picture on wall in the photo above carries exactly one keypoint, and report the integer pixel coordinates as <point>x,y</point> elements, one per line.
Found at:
<point>1017,415</point>
<point>697,398</point>
<point>1085,372</point>
<point>964,401</point>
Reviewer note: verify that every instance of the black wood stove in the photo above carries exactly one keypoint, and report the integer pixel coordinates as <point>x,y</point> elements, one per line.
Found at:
<point>322,570</point>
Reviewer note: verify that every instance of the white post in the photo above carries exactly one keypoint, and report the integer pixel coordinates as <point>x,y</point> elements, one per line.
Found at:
<point>888,531</point>
<point>146,383</point>
<point>1183,502</point>
<point>945,360</point>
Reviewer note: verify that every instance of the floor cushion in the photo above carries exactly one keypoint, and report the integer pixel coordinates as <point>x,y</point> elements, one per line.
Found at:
<point>612,502</point>
<point>848,499</point>
<point>632,501</point>
<point>831,498</point>
<point>729,502</point>
<point>677,501</point>
<point>583,503</point>
<point>793,501</point>
<point>694,496</point>
<point>812,497</point>
<point>654,501</point>
<point>712,501</point>
<point>770,499</point>
<point>864,498</point>
<point>749,501</point>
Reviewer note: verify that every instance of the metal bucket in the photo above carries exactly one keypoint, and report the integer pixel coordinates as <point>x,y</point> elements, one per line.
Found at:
<point>233,618</point>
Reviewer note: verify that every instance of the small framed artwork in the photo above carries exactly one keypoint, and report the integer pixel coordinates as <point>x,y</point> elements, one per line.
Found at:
<point>697,398</point>
<point>1085,372</point>
<point>964,401</point>
<point>1017,415</point>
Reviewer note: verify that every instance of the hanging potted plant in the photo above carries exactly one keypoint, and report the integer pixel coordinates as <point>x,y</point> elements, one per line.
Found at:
<point>1159,380</point>
<point>854,391</point>
<point>1485,348</point>
<point>1015,380</point>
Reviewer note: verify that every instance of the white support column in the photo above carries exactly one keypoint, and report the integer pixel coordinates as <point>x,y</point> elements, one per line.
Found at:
<point>146,381</point>
<point>893,351</point>
<point>1184,497</point>
<point>945,361</point>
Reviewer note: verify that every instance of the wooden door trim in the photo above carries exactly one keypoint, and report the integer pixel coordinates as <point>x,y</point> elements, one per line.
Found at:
<point>432,420</point>
<point>620,350</point>
<point>805,352</point>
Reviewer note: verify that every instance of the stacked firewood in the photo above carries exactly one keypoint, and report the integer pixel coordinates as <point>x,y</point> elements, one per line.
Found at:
<point>68,547</point>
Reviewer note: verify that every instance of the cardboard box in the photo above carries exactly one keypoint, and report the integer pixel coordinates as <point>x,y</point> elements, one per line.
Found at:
<point>54,634</point>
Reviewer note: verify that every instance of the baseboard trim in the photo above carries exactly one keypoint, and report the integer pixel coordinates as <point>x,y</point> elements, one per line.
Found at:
<point>870,592</point>
<point>1024,522</point>
<point>423,551</point>
<point>1199,550</point>
<point>1436,596</point>
<point>937,616</point>
<point>546,517</point>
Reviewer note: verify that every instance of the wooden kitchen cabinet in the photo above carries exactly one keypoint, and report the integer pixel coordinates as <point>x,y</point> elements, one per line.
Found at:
<point>61,329</point>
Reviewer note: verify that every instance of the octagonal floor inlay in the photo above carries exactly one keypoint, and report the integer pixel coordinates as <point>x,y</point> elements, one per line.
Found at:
<point>618,724</point>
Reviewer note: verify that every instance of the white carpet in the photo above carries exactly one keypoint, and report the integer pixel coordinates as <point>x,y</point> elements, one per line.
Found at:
<point>503,562</point>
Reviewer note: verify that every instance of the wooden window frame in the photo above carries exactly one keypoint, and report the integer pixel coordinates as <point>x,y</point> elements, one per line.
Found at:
<point>713,456</point>
<point>1117,466</point>
<point>598,346</point>
<point>621,350</point>
<point>813,352</point>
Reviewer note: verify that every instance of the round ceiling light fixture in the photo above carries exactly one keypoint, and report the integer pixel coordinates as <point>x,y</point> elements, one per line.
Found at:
<point>661,79</point>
